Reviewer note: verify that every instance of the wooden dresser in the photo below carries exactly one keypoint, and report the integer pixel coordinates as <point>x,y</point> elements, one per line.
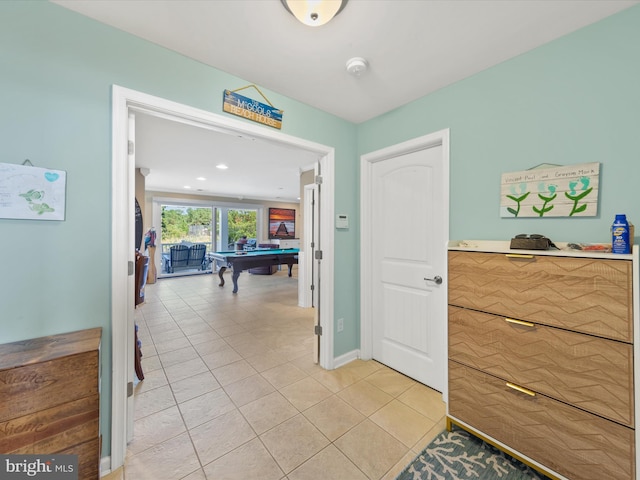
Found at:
<point>541,357</point>
<point>50,398</point>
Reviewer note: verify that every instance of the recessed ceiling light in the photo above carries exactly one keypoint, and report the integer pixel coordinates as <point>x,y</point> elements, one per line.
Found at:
<point>222,166</point>
<point>187,187</point>
<point>202,179</point>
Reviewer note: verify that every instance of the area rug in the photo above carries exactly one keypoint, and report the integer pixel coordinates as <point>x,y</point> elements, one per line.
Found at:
<point>458,455</point>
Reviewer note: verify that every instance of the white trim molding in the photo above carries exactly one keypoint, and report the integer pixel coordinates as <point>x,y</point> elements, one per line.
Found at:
<point>105,466</point>
<point>346,358</point>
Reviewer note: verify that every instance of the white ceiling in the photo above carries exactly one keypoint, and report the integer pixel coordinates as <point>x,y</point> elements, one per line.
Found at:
<point>414,47</point>
<point>177,154</point>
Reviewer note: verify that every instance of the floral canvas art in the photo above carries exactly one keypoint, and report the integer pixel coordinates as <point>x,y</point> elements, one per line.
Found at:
<point>569,191</point>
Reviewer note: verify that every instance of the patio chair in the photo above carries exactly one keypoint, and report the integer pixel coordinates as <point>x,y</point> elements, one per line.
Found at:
<point>197,256</point>
<point>178,257</point>
<point>185,256</point>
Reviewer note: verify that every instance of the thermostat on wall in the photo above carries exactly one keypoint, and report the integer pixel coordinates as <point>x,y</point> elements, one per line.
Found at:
<point>342,220</point>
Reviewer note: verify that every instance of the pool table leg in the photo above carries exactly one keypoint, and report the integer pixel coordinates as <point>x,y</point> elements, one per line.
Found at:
<point>220,272</point>
<point>290,267</point>
<point>234,277</point>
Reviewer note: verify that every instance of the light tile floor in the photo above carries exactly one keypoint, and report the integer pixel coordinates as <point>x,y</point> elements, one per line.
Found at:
<point>231,392</point>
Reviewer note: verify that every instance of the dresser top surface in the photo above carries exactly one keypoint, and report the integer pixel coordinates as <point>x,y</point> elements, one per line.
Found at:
<point>501,246</point>
<point>43,349</point>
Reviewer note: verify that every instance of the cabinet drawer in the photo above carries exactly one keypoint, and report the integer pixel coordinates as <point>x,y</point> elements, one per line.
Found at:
<point>567,440</point>
<point>592,373</point>
<point>583,294</point>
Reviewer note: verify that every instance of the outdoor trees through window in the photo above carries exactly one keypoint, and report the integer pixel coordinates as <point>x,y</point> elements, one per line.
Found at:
<point>241,223</point>
<point>193,224</point>
<point>186,224</point>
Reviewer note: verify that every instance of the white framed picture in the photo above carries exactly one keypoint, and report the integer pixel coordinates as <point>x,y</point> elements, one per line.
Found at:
<point>32,193</point>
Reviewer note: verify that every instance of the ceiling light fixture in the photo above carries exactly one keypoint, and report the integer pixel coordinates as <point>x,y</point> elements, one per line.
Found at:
<point>314,12</point>
<point>357,66</point>
<point>222,166</point>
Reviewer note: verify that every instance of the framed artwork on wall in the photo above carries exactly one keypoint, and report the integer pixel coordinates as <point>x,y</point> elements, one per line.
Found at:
<point>553,191</point>
<point>282,223</point>
<point>32,193</point>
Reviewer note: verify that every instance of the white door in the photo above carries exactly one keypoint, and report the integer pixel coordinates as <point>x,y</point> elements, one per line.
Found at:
<point>409,232</point>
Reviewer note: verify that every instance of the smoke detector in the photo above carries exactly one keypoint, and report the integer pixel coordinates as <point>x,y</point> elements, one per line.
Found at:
<point>357,66</point>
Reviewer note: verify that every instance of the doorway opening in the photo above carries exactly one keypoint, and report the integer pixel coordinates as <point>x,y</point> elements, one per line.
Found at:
<point>126,101</point>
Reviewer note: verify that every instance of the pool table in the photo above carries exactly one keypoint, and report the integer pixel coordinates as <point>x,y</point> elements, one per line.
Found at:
<point>245,259</point>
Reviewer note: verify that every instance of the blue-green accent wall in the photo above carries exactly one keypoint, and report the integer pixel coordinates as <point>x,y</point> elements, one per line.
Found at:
<point>574,100</point>
<point>57,69</point>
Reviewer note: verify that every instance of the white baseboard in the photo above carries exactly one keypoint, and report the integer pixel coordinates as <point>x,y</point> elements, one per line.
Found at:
<point>105,466</point>
<point>342,360</point>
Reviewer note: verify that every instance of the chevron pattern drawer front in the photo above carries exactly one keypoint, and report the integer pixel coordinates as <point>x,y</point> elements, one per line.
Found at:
<point>541,358</point>
<point>583,294</point>
<point>569,441</point>
<point>592,373</point>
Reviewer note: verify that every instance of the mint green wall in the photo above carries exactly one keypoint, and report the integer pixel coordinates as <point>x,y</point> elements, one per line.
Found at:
<point>56,73</point>
<point>575,100</point>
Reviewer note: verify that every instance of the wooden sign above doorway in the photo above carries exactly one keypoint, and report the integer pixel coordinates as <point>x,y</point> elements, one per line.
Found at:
<point>251,109</point>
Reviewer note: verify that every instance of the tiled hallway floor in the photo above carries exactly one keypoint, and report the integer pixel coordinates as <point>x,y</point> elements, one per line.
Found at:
<point>231,392</point>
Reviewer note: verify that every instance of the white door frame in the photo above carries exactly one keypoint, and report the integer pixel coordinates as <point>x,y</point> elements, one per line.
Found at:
<point>305,297</point>
<point>366,174</point>
<point>122,229</point>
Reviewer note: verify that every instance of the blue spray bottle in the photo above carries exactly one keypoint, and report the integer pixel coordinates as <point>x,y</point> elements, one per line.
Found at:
<point>620,235</point>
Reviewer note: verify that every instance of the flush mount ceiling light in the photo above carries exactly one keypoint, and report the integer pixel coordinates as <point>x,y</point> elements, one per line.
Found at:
<point>314,12</point>
<point>357,66</point>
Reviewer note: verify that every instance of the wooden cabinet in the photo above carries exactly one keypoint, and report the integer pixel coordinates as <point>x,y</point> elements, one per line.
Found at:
<point>588,295</point>
<point>50,397</point>
<point>291,243</point>
<point>541,358</point>
<point>564,439</point>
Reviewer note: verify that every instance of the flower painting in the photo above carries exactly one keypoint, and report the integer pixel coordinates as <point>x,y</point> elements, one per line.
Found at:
<point>569,191</point>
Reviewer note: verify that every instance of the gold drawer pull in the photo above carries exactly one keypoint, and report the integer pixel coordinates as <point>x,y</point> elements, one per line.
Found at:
<point>519,322</point>
<point>521,389</point>
<point>518,255</point>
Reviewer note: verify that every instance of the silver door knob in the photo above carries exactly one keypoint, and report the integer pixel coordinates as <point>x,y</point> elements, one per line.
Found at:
<point>437,279</point>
